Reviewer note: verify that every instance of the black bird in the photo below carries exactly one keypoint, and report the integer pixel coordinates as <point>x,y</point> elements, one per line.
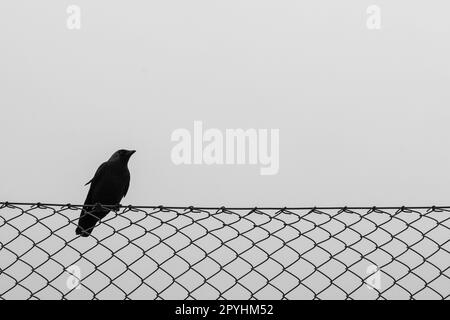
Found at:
<point>108,186</point>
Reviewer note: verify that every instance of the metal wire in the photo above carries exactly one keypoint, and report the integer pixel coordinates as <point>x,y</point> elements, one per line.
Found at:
<point>157,252</point>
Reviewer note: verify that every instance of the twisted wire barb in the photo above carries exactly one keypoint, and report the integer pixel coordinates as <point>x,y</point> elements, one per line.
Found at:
<point>159,252</point>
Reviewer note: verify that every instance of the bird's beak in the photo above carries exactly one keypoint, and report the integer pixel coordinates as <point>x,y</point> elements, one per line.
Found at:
<point>131,152</point>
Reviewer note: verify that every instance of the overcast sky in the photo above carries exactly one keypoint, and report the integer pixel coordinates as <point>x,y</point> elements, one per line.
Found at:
<point>363,114</point>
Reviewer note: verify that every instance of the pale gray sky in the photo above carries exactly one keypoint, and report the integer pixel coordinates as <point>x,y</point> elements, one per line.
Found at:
<point>363,115</point>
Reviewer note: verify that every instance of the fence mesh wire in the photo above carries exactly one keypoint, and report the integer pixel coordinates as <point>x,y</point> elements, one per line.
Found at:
<point>225,253</point>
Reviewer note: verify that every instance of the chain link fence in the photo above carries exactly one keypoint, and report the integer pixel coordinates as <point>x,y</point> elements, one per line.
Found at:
<point>225,253</point>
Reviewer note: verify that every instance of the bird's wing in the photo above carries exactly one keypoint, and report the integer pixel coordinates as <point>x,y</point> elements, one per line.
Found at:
<point>97,174</point>
<point>126,188</point>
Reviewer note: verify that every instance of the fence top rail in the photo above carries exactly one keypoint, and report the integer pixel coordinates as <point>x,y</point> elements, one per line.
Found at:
<point>402,208</point>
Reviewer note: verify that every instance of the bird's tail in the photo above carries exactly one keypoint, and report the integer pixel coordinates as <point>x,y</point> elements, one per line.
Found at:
<point>86,223</point>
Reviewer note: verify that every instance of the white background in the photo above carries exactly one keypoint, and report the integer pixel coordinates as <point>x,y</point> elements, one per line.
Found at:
<point>363,114</point>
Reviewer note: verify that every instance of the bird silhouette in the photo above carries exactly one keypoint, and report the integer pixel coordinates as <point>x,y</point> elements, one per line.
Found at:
<point>108,186</point>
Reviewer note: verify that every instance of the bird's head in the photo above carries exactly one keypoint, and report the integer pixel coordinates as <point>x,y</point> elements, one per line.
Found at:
<point>122,155</point>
